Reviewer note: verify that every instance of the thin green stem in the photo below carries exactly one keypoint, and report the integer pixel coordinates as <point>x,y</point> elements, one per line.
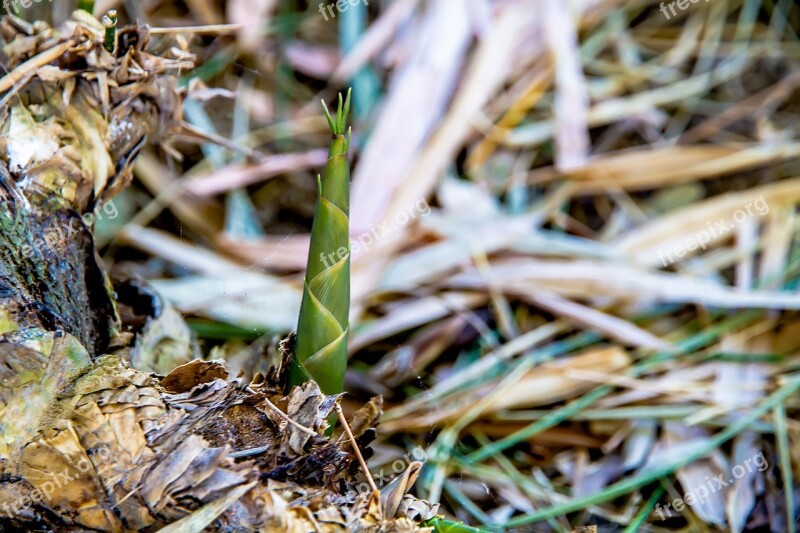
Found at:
<point>645,511</point>
<point>467,504</point>
<point>782,439</point>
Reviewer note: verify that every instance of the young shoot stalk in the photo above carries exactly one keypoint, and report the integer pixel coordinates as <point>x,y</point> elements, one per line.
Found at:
<point>323,327</point>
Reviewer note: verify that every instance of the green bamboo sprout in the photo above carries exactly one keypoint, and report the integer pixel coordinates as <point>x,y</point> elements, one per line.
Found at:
<point>323,328</point>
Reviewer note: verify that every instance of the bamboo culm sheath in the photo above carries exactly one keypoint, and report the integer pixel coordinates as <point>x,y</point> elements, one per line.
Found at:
<point>323,328</point>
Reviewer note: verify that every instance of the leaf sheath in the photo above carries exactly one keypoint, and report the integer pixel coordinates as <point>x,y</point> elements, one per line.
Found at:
<point>323,328</point>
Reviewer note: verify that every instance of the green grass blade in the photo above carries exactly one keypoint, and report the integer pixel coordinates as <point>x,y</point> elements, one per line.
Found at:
<point>365,81</point>
<point>641,517</point>
<point>790,387</point>
<point>567,411</point>
<point>323,328</point>
<point>782,440</point>
<point>442,525</point>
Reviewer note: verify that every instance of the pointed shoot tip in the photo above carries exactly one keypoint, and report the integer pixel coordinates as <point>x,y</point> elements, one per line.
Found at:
<point>328,116</point>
